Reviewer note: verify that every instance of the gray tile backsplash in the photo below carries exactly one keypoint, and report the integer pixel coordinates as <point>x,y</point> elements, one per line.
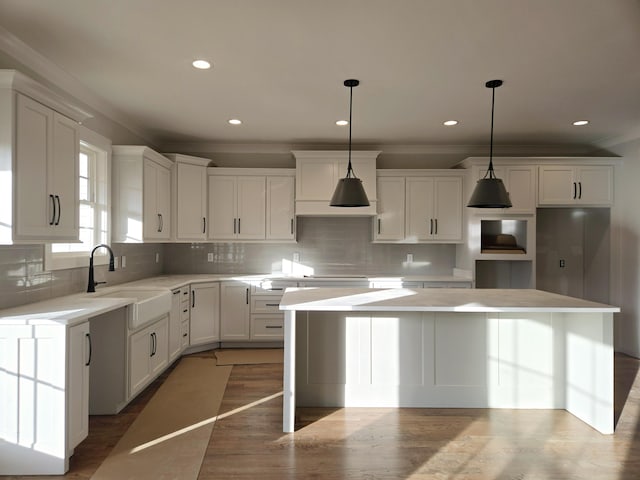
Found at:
<point>23,278</point>
<point>327,245</point>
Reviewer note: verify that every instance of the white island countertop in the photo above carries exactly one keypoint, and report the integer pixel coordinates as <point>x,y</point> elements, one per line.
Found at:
<point>435,300</point>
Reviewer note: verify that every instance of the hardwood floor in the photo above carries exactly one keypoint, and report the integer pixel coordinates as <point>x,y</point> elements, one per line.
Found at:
<point>336,443</point>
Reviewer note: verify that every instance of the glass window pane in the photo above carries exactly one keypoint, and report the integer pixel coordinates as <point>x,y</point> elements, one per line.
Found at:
<point>84,188</point>
<point>84,164</point>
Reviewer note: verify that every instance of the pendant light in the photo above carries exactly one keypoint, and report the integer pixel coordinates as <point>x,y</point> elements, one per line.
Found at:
<point>490,191</point>
<point>349,192</point>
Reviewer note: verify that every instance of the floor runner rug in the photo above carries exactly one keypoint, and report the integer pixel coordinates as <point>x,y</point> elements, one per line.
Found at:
<point>169,438</point>
<point>249,356</point>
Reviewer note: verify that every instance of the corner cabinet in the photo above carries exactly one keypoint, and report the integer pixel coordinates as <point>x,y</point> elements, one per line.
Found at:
<point>189,193</point>
<point>419,206</point>
<point>317,174</point>
<point>39,159</point>
<point>205,313</point>
<point>251,204</point>
<point>586,185</point>
<point>141,195</point>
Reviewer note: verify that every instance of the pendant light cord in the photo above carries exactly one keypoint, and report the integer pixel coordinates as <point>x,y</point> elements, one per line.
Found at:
<point>350,84</point>
<point>490,172</point>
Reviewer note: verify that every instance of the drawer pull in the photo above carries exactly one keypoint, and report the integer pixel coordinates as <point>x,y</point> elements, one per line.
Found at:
<point>185,334</point>
<point>185,310</point>
<point>273,326</point>
<point>272,304</point>
<point>176,292</point>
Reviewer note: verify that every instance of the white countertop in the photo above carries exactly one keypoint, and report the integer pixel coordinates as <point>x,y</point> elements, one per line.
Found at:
<point>76,308</point>
<point>434,300</point>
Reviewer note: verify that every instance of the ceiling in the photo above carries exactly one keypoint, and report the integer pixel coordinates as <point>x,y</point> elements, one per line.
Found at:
<point>279,66</point>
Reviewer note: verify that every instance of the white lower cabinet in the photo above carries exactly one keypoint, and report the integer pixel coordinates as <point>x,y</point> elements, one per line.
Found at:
<point>78,397</point>
<point>205,313</point>
<point>148,354</point>
<point>175,325</point>
<point>267,321</point>
<point>234,311</point>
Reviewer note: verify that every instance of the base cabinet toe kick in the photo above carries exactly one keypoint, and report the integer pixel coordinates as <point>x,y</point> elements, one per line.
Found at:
<point>522,349</point>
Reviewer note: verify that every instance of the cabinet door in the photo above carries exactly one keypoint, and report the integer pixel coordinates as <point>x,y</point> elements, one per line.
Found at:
<point>35,204</point>
<point>175,325</point>
<point>234,311</point>
<point>447,209</point>
<point>222,208</point>
<point>140,349</point>
<point>78,399</point>
<point>251,208</point>
<point>389,224</point>
<point>419,209</point>
<point>163,201</point>
<point>159,357</point>
<point>280,208</point>
<point>63,177</point>
<point>151,216</point>
<point>191,201</point>
<point>205,313</point>
<point>595,185</point>
<point>520,183</point>
<point>556,185</point>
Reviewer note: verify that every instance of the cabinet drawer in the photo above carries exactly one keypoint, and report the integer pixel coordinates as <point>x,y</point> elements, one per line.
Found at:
<point>266,288</point>
<point>184,311</point>
<point>184,331</point>
<point>265,304</point>
<point>267,327</point>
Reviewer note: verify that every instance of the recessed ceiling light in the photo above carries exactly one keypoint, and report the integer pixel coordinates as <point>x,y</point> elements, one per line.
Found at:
<point>235,121</point>
<point>579,123</point>
<point>449,123</point>
<point>342,122</point>
<point>201,64</point>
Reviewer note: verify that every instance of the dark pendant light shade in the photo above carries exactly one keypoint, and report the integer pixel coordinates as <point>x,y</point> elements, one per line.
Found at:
<point>490,191</point>
<point>349,192</point>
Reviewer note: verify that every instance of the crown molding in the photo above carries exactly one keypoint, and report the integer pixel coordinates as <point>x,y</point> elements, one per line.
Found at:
<point>386,149</point>
<point>57,78</point>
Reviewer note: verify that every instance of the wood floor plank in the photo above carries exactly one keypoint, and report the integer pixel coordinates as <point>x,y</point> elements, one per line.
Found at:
<point>377,443</point>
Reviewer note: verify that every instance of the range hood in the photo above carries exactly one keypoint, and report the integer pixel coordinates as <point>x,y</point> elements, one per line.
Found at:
<point>317,173</point>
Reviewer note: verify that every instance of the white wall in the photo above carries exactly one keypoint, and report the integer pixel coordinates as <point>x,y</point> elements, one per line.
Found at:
<point>625,249</point>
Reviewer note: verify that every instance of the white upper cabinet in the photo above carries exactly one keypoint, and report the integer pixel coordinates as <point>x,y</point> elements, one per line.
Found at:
<point>317,174</point>
<point>189,197</point>
<point>389,224</point>
<point>418,206</point>
<point>141,195</point>
<point>236,207</point>
<point>587,185</point>
<point>251,204</point>
<point>520,183</point>
<point>280,208</point>
<point>434,209</point>
<point>39,159</point>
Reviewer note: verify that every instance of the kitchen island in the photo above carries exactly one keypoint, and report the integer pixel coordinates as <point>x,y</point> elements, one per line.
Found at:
<point>466,348</point>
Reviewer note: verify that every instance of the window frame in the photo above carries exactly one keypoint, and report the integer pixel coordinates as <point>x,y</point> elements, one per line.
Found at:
<point>66,260</point>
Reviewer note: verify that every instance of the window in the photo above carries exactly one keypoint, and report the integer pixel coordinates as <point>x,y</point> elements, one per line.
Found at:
<point>94,206</point>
